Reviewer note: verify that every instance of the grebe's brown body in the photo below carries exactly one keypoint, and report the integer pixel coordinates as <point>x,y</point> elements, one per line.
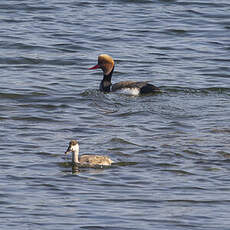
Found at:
<point>86,160</point>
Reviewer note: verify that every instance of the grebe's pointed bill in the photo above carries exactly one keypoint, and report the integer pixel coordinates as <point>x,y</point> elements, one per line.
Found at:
<point>68,150</point>
<point>95,67</point>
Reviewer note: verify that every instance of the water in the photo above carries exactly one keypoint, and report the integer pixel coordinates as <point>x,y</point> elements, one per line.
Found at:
<point>171,149</point>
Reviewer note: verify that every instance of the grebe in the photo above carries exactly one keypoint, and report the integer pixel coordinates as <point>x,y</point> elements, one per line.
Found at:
<point>86,160</point>
<point>106,63</point>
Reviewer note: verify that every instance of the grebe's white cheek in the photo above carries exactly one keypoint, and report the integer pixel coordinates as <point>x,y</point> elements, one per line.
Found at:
<point>72,148</point>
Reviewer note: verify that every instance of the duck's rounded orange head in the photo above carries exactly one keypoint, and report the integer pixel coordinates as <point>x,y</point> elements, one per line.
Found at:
<point>105,62</point>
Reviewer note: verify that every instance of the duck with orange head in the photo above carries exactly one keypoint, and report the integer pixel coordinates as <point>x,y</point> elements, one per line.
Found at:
<point>106,63</point>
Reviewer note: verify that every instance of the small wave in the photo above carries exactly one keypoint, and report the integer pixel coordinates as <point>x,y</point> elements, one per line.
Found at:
<point>122,141</point>
<point>136,1</point>
<point>91,93</point>
<point>18,96</point>
<point>178,32</point>
<point>209,90</point>
<point>35,61</point>
<point>34,119</point>
<point>12,95</point>
<point>198,201</point>
<point>223,130</point>
<point>178,172</point>
<point>224,154</point>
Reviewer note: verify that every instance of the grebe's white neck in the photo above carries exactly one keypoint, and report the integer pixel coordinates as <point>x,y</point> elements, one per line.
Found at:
<point>74,148</point>
<point>75,153</point>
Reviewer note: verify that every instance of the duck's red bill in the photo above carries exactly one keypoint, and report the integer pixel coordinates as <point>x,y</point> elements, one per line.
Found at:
<point>95,67</point>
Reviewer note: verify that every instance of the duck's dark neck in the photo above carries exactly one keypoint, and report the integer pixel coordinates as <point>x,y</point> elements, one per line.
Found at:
<point>106,82</point>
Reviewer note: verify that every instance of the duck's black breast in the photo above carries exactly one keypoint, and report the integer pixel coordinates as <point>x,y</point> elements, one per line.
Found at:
<point>140,87</point>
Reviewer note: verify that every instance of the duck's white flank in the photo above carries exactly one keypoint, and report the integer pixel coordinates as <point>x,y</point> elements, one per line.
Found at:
<point>129,91</point>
